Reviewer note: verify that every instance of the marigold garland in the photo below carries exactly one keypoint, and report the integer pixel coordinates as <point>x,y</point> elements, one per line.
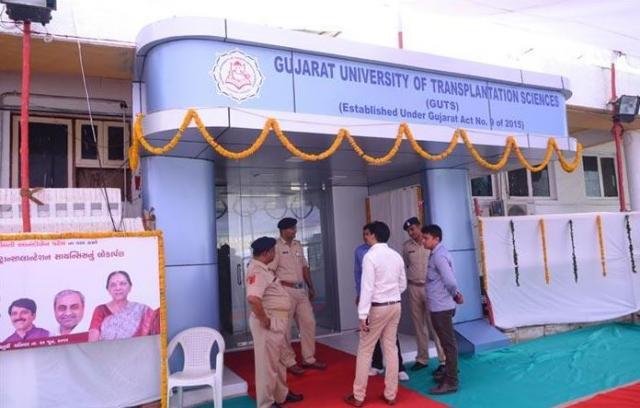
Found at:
<point>483,259</point>
<point>631,255</point>
<point>603,261</point>
<point>573,252</point>
<point>272,124</point>
<point>515,253</point>
<point>547,272</point>
<point>164,358</point>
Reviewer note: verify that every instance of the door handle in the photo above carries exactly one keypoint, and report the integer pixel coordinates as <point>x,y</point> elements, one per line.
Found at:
<point>239,274</point>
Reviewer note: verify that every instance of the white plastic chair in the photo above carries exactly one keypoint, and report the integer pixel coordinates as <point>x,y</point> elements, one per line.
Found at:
<point>197,343</point>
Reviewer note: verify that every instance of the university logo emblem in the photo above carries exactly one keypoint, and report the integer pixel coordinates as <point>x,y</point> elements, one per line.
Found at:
<point>237,75</point>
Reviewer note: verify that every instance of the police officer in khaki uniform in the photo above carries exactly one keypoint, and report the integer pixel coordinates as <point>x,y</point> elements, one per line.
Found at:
<point>415,258</point>
<point>292,269</point>
<point>270,306</point>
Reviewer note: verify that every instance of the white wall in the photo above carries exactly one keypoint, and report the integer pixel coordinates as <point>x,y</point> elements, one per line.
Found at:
<point>632,151</point>
<point>68,99</point>
<point>571,191</point>
<point>348,207</point>
<point>568,189</point>
<point>70,86</point>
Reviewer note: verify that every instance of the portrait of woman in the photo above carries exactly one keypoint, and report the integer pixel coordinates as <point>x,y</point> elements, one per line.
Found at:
<point>120,318</point>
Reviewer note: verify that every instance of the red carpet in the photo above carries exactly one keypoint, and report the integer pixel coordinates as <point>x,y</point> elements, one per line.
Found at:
<point>327,388</point>
<point>623,397</point>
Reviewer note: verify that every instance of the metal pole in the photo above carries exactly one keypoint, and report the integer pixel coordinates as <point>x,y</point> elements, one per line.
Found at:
<point>400,34</point>
<point>24,127</point>
<point>616,131</point>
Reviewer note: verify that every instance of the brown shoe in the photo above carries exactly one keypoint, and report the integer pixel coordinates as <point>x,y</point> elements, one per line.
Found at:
<point>317,365</point>
<point>351,400</point>
<point>296,370</point>
<point>388,401</point>
<point>444,388</point>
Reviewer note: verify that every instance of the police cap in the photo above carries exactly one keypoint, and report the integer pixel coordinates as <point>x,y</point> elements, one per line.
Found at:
<point>411,221</point>
<point>286,223</point>
<point>262,244</point>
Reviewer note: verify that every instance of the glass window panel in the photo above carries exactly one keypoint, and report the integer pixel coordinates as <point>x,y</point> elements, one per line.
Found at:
<point>48,155</point>
<point>540,183</point>
<point>609,180</point>
<point>115,143</point>
<point>518,183</point>
<point>482,186</point>
<point>88,148</point>
<point>591,176</point>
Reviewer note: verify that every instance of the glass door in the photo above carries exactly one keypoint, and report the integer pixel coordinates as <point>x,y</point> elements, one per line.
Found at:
<point>247,212</point>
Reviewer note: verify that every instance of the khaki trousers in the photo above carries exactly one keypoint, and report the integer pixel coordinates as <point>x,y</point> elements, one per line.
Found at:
<point>271,374</point>
<point>302,312</point>
<point>383,326</point>
<point>422,324</point>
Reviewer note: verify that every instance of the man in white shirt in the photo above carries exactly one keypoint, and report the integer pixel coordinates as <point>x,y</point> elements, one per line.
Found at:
<point>383,281</point>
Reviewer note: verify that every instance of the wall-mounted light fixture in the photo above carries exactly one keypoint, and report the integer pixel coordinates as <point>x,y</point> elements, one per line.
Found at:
<point>626,108</point>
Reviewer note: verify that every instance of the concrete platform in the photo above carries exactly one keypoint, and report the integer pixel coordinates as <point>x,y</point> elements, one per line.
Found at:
<point>481,335</point>
<point>348,342</point>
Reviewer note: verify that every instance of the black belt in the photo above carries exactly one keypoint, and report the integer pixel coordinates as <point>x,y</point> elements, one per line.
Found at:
<point>414,283</point>
<point>393,302</point>
<point>294,285</point>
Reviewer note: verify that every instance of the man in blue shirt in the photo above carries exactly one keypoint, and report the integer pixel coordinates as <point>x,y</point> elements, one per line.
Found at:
<point>442,297</point>
<point>376,363</point>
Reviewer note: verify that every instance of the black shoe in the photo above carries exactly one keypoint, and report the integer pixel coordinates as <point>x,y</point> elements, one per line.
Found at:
<point>439,370</point>
<point>439,374</point>
<point>296,370</point>
<point>293,397</point>
<point>418,366</point>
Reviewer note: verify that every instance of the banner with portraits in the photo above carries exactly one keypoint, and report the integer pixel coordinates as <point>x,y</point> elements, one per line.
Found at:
<point>60,289</point>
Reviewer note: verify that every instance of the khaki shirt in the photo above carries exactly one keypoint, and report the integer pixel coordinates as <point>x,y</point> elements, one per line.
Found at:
<point>289,261</point>
<point>262,283</point>
<point>415,258</point>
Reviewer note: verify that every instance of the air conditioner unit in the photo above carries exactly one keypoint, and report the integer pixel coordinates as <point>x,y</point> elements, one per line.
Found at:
<point>520,209</point>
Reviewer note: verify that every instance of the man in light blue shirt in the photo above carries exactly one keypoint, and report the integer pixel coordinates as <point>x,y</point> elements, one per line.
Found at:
<point>442,297</point>
<point>376,362</point>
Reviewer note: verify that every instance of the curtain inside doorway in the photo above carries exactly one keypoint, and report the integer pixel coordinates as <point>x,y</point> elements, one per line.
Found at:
<point>394,208</point>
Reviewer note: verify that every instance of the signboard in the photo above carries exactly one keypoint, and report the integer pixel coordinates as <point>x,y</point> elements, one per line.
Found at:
<point>226,74</point>
<point>75,288</point>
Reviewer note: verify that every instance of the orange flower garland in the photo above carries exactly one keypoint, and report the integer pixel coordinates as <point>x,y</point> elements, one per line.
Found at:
<point>272,124</point>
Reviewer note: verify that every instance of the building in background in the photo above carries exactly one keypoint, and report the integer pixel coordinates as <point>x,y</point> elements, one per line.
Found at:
<point>82,91</point>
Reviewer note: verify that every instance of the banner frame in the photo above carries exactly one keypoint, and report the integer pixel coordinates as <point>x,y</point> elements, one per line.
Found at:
<point>164,398</point>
